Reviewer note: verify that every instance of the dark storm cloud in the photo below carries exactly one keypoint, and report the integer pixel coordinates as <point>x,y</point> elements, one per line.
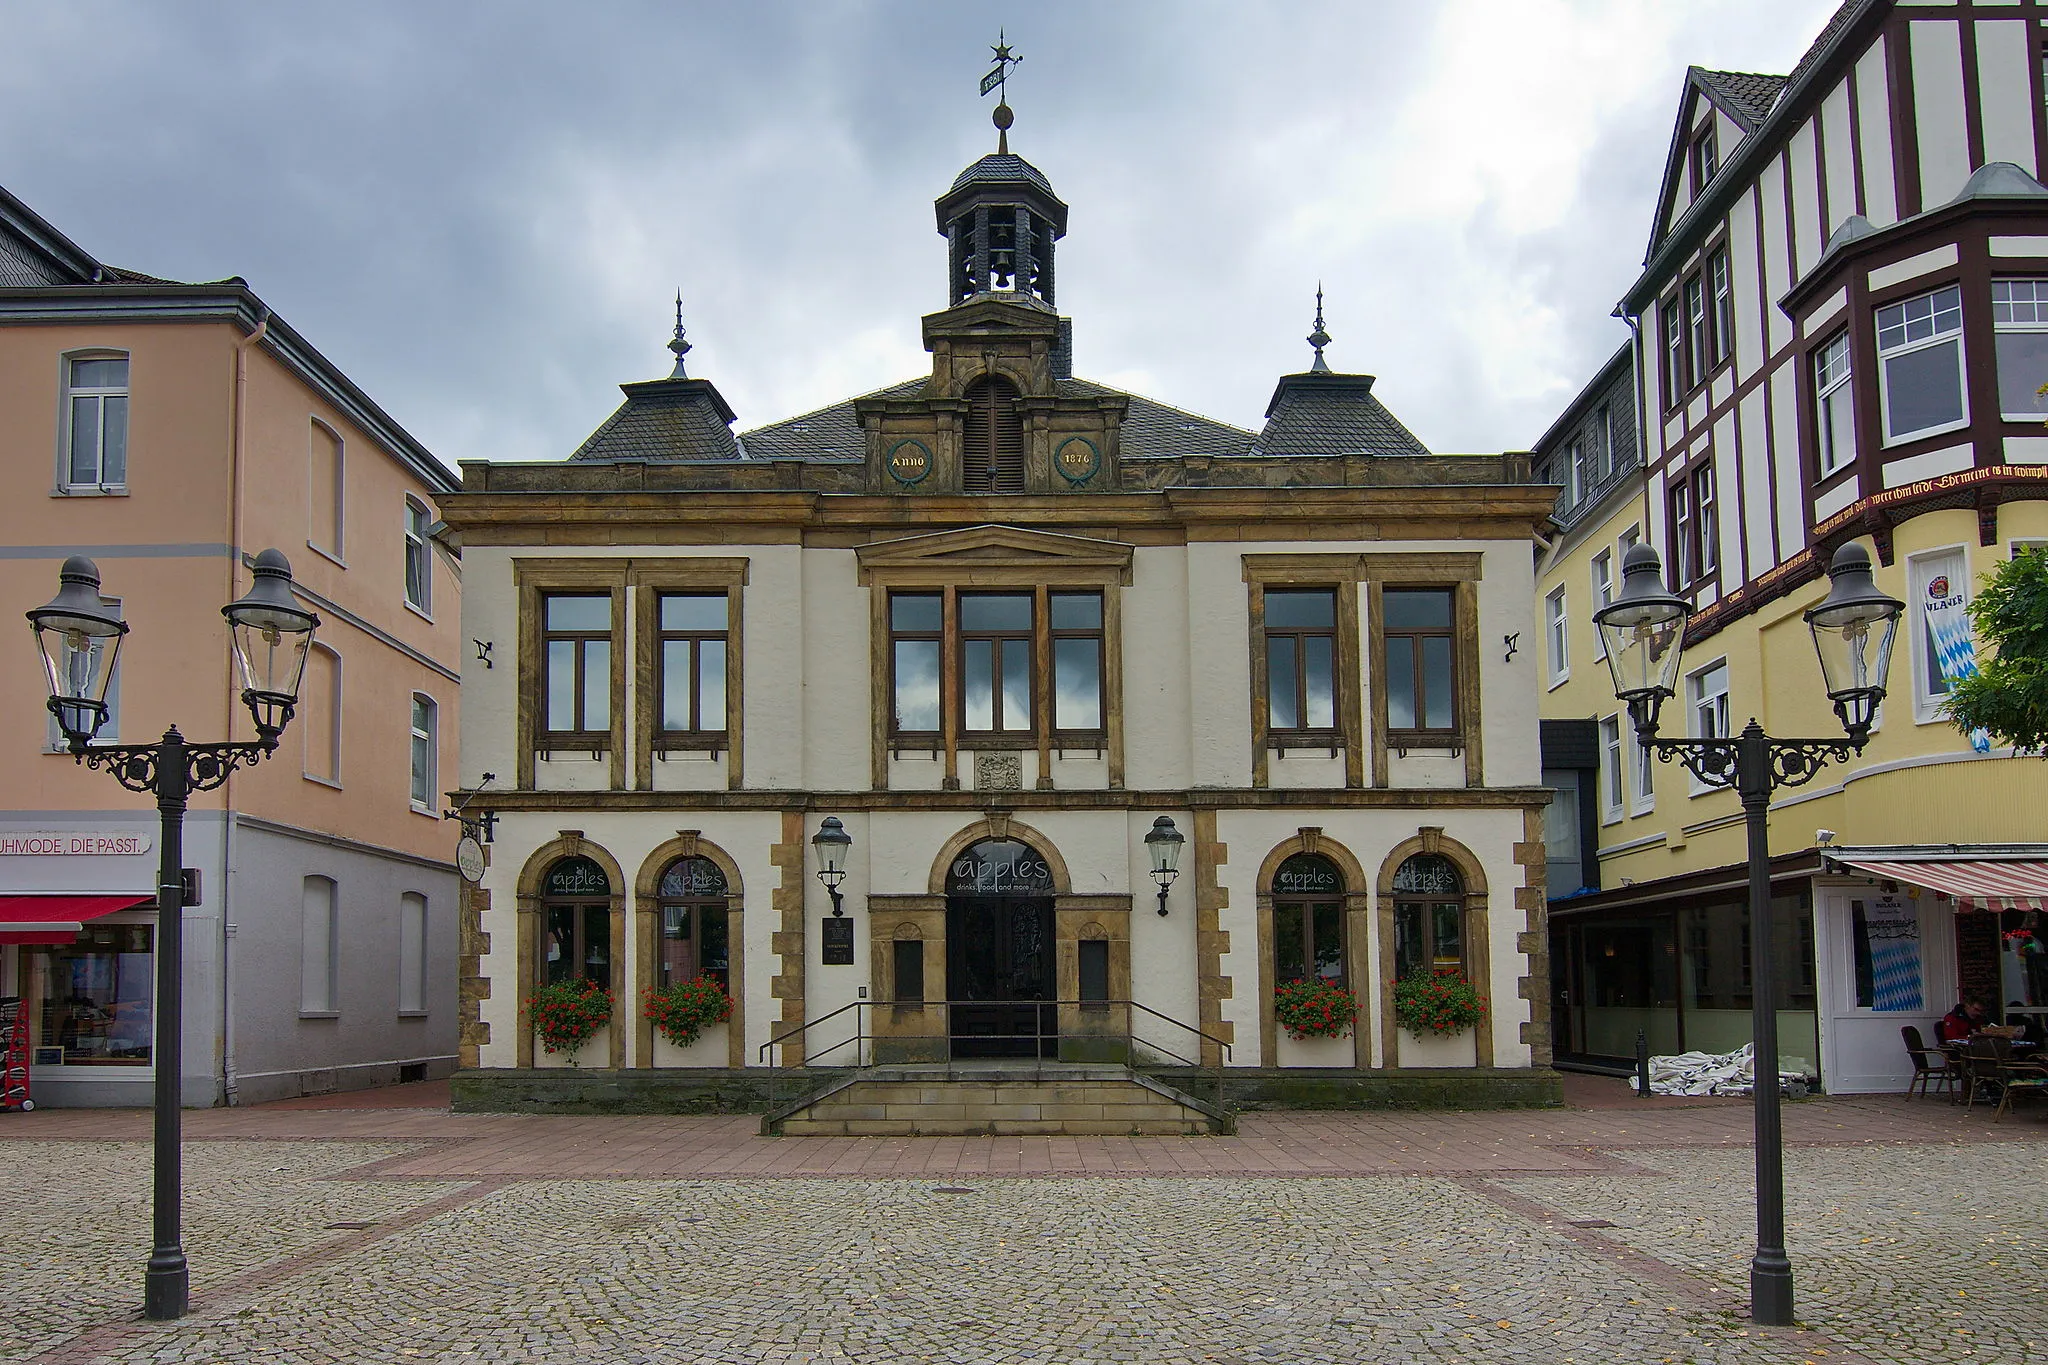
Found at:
<point>481,211</point>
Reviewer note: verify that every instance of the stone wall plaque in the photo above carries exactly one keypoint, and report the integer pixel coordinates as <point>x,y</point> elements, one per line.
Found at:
<point>909,461</point>
<point>998,770</point>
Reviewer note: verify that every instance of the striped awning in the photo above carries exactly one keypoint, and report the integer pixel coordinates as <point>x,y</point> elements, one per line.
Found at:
<point>2004,884</point>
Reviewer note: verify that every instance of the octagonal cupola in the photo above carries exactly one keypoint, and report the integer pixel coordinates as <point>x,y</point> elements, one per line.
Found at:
<point>1000,221</point>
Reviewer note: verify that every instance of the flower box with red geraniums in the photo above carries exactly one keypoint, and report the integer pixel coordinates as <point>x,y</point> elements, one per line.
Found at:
<point>1314,1009</point>
<point>1441,1003</point>
<point>568,1014</point>
<point>682,1011</point>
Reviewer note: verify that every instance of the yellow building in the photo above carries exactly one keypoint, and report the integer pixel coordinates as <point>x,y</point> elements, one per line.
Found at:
<point>1835,339</point>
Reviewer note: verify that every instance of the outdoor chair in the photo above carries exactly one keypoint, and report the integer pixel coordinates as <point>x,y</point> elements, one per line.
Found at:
<point>2020,1080</point>
<point>1984,1065</point>
<point>1930,1065</point>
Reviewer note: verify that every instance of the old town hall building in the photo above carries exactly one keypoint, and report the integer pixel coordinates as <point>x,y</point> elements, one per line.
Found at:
<point>999,624</point>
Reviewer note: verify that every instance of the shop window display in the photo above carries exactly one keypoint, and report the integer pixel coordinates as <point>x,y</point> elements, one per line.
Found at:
<point>92,999</point>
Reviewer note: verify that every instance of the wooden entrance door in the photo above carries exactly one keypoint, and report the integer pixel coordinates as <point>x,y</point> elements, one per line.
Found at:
<point>999,967</point>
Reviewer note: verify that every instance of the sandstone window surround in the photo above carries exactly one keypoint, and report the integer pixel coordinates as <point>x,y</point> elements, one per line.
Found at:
<point>537,583</point>
<point>1361,666</point>
<point>672,593</point>
<point>628,589</point>
<point>925,619</point>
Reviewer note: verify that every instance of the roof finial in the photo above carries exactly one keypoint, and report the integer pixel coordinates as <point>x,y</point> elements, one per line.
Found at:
<point>995,80</point>
<point>1319,338</point>
<point>677,343</point>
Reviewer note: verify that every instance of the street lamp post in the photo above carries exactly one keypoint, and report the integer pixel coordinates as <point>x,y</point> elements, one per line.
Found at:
<point>78,634</point>
<point>1644,632</point>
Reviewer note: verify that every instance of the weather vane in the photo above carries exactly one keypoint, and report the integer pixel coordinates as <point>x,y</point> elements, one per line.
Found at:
<point>996,80</point>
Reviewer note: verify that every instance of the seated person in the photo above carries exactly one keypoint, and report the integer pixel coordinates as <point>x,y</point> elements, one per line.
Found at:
<point>1963,1021</point>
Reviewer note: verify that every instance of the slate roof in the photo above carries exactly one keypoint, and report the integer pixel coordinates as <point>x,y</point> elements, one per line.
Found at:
<point>1002,168</point>
<point>1152,430</point>
<point>1749,93</point>
<point>665,419</point>
<point>828,433</point>
<point>1322,413</point>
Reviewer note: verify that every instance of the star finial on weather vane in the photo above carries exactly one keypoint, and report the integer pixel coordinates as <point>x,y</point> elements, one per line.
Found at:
<point>996,80</point>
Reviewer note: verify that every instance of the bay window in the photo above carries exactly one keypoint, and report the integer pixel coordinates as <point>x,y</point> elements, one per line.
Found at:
<point>1920,364</point>
<point>2019,313</point>
<point>1834,404</point>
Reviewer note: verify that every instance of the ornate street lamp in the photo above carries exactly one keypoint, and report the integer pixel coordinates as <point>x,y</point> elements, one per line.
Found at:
<point>1164,843</point>
<point>1852,628</point>
<point>832,841</point>
<point>78,636</point>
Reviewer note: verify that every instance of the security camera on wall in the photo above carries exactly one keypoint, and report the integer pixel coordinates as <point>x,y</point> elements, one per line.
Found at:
<point>1823,837</point>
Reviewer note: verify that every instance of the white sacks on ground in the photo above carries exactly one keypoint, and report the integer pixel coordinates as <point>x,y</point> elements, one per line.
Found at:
<point>1708,1073</point>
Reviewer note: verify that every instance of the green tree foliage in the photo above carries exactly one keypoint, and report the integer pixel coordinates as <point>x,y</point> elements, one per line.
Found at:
<point>2009,694</point>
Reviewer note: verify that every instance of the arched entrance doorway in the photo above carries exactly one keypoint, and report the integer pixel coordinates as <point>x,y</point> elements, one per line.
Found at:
<point>999,952</point>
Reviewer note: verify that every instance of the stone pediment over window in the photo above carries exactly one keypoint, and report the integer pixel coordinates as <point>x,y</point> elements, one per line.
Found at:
<point>996,553</point>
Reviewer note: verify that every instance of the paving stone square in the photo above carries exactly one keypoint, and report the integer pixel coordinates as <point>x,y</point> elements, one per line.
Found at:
<point>1914,1231</point>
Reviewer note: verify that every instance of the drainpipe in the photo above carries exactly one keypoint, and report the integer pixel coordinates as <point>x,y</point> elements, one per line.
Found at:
<point>230,1081</point>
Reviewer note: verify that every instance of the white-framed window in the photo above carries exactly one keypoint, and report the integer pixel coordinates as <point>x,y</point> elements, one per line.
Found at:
<point>1628,541</point>
<point>1707,518</point>
<point>2019,313</point>
<point>1603,593</point>
<point>1557,632</point>
<point>1603,440</point>
<point>318,948</point>
<point>1706,692</point>
<point>82,665</point>
<point>419,556</point>
<point>94,458</point>
<point>1920,365</point>
<point>319,714</point>
<point>1938,621</point>
<point>425,728</point>
<point>327,491</point>
<point>1722,288</point>
<point>1645,787</point>
<point>412,953</point>
<point>1835,404</point>
<point>1612,786</point>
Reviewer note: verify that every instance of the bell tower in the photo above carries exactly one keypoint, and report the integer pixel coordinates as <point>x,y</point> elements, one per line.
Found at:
<point>1001,218</point>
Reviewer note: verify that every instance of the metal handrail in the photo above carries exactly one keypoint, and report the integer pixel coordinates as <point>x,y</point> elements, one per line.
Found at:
<point>861,1034</point>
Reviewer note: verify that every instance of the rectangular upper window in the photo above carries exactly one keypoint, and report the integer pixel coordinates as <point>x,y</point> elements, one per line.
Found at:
<point>1695,526</point>
<point>1421,682</point>
<point>1706,157</point>
<point>425,742</point>
<point>1920,365</point>
<point>692,664</point>
<point>1937,621</point>
<point>319,714</point>
<point>1603,593</point>
<point>2019,312</point>
<point>1698,333</point>
<point>576,671</point>
<point>1611,782</point>
<point>95,455</point>
<point>1557,634</point>
<point>995,663</point>
<point>1721,287</point>
<point>419,562</point>
<point>1708,692</point>
<point>1301,660</point>
<point>989,645</point>
<point>1674,352</point>
<point>1834,404</point>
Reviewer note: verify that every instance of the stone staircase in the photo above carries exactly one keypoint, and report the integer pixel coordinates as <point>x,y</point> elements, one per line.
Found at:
<point>995,1097</point>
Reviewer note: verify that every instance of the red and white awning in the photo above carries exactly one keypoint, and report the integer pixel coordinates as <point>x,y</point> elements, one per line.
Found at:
<point>57,919</point>
<point>1982,884</point>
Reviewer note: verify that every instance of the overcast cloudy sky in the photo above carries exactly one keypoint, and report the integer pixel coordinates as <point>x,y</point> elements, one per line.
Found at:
<point>481,211</point>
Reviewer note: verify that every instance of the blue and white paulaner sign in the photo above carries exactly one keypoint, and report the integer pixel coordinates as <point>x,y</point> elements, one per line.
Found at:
<point>1894,931</point>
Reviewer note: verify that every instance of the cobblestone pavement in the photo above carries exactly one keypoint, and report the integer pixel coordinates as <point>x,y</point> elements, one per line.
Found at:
<point>1910,1243</point>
